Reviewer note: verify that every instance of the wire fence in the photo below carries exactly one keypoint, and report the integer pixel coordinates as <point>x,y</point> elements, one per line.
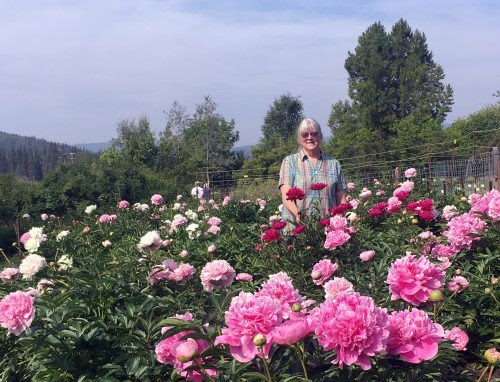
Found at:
<point>442,171</point>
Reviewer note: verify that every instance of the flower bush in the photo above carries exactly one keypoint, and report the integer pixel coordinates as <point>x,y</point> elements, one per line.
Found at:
<point>384,288</point>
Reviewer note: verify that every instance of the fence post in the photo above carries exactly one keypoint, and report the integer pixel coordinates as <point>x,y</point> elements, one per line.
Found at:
<point>444,187</point>
<point>397,174</point>
<point>496,166</point>
<point>429,168</point>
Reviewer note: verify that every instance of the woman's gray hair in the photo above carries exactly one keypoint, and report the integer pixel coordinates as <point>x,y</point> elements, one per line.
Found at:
<point>309,124</point>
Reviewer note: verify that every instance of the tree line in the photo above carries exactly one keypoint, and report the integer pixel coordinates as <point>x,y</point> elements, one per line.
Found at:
<point>397,104</point>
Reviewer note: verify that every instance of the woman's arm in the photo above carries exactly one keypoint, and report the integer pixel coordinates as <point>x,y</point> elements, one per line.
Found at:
<point>291,206</point>
<point>340,197</point>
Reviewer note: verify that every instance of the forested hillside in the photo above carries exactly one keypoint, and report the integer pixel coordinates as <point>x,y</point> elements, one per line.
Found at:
<point>32,158</point>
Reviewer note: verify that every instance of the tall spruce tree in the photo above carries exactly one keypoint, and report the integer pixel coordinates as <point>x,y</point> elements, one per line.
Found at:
<point>392,76</point>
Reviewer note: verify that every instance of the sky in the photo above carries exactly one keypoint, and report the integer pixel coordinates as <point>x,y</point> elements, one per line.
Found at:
<point>70,70</point>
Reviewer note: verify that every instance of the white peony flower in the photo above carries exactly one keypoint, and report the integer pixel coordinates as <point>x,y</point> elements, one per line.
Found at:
<point>106,244</point>
<point>37,233</point>
<point>31,265</point>
<point>191,215</point>
<point>192,230</point>
<point>61,235</point>
<point>177,206</point>
<point>90,209</point>
<point>65,262</point>
<point>44,217</point>
<point>32,245</point>
<point>151,241</point>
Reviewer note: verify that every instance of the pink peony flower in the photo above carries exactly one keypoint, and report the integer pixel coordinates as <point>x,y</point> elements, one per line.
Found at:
<point>353,327</point>
<point>365,193</point>
<point>449,212</point>
<point>226,200</point>
<point>280,287</point>
<point>335,239</point>
<point>16,312</point>
<point>291,331</point>
<point>460,229</point>
<point>123,204</point>
<point>410,173</point>
<point>393,204</point>
<point>444,251</point>
<point>182,273</point>
<point>214,220</point>
<point>380,193</point>
<point>366,255</point>
<point>9,274</point>
<point>211,248</point>
<point>217,274</point>
<point>200,209</point>
<point>459,337</point>
<point>322,271</point>
<point>351,186</point>
<point>244,277</point>
<point>336,287</point>
<point>474,198</point>
<point>105,218</point>
<point>401,194</point>
<point>407,186</point>
<point>494,206</point>
<point>337,222</point>
<point>157,199</point>
<point>413,336</point>
<point>184,253</point>
<point>24,237</point>
<point>414,279</point>
<point>214,229</point>
<point>457,283</point>
<point>248,316</point>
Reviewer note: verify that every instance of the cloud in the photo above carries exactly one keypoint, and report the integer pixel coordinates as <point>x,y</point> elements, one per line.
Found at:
<point>71,70</point>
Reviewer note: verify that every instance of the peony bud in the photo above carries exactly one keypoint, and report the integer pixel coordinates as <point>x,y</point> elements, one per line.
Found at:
<point>316,275</point>
<point>211,248</point>
<point>259,340</point>
<point>414,221</point>
<point>400,221</point>
<point>494,280</point>
<point>296,307</point>
<point>436,296</point>
<point>487,290</point>
<point>463,199</point>
<point>458,272</point>
<point>492,356</point>
<point>86,229</point>
<point>185,351</point>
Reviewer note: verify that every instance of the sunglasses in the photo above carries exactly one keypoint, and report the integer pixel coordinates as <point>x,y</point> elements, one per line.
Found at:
<point>313,134</point>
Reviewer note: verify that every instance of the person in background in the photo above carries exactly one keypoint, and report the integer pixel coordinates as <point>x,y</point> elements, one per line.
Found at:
<point>311,166</point>
<point>206,191</point>
<point>197,191</point>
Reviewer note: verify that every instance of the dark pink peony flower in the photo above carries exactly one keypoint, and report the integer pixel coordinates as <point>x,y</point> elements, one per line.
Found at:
<point>279,225</point>
<point>413,336</point>
<point>297,230</point>
<point>335,239</point>
<point>414,279</point>
<point>318,186</point>
<point>271,235</point>
<point>353,327</point>
<point>295,193</point>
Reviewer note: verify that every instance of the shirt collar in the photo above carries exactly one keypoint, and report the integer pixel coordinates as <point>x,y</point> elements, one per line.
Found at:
<point>303,156</point>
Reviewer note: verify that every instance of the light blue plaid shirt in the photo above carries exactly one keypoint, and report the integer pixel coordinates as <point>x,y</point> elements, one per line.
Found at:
<point>298,171</point>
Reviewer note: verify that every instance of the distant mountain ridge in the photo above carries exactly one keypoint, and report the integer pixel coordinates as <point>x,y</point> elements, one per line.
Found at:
<point>31,158</point>
<point>94,147</point>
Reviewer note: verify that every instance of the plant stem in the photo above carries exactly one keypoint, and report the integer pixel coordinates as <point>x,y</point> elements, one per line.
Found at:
<point>266,369</point>
<point>5,256</point>
<point>301,359</point>
<point>491,373</point>
<point>482,374</point>
<point>203,371</point>
<point>442,305</point>
<point>435,312</point>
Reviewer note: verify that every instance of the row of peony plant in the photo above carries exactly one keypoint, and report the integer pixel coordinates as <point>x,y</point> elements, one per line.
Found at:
<point>346,322</point>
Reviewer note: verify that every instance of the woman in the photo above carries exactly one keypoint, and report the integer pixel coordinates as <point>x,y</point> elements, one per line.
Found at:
<point>311,166</point>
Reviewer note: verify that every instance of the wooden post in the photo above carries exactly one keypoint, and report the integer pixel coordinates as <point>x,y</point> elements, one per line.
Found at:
<point>496,167</point>
<point>429,168</point>
<point>444,187</point>
<point>397,173</point>
<point>18,235</point>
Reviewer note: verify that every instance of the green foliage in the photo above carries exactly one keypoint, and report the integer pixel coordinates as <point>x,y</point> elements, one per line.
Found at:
<point>102,319</point>
<point>279,135</point>
<point>396,90</point>
<point>486,121</point>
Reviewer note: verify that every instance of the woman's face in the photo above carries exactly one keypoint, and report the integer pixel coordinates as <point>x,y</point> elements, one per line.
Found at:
<point>310,139</point>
